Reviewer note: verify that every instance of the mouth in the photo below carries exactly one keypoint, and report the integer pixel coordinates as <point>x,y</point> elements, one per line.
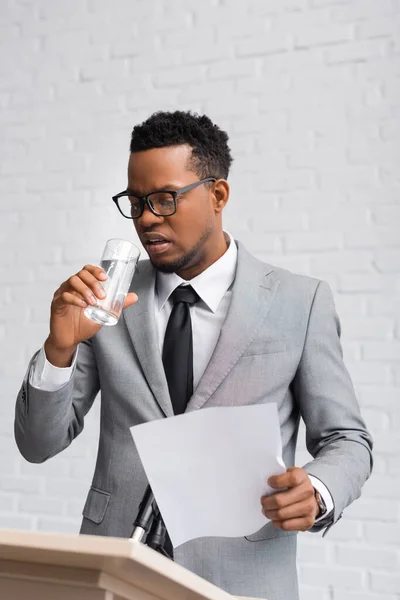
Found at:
<point>156,244</point>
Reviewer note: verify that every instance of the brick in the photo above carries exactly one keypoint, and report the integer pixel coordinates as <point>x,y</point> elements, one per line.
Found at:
<point>355,51</point>
<point>362,10</point>
<point>349,305</point>
<point>62,487</point>
<point>388,350</point>
<point>345,530</point>
<point>364,595</point>
<point>369,373</point>
<point>13,521</point>
<point>226,69</point>
<point>382,306</point>
<point>7,502</point>
<point>380,486</point>
<point>367,328</point>
<point>311,241</point>
<point>377,510</point>
<point>344,216</point>
<point>370,237</point>
<point>26,485</point>
<point>270,43</point>
<point>351,555</point>
<point>313,593</point>
<point>393,466</point>
<point>390,129</point>
<point>74,509</point>
<point>58,525</point>
<point>351,351</point>
<point>347,579</point>
<point>388,261</point>
<point>383,582</point>
<point>317,36</point>
<point>387,444</point>
<point>386,215</point>
<point>377,419</point>
<point>351,177</point>
<point>39,505</point>
<point>343,262</point>
<point>383,533</point>
<point>279,222</point>
<point>312,552</point>
<point>178,76</point>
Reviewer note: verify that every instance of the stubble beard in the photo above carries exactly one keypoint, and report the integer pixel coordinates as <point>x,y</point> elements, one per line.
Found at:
<point>185,260</point>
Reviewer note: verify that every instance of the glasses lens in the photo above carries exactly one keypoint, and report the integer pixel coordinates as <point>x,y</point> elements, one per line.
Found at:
<point>130,206</point>
<point>163,203</point>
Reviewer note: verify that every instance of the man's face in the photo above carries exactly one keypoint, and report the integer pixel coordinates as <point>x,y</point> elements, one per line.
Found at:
<point>190,234</point>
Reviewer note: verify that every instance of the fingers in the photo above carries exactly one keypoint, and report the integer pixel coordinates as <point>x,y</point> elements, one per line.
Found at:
<point>293,477</point>
<point>301,524</point>
<point>294,509</point>
<point>69,298</point>
<point>306,508</point>
<point>130,299</point>
<point>283,499</point>
<point>84,285</point>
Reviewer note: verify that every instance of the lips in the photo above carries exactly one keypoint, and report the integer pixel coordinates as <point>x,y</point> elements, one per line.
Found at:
<point>150,238</point>
<point>155,243</point>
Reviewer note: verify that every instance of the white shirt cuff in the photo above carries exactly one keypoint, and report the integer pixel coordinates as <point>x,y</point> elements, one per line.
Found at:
<point>325,494</point>
<point>47,377</point>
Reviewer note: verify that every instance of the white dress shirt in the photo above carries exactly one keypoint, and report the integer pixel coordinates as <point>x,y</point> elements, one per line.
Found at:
<point>214,289</point>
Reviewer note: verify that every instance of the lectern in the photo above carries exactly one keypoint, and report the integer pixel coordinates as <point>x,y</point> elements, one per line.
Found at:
<point>49,566</point>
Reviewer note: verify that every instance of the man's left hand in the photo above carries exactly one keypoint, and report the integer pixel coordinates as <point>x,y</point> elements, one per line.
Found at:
<point>295,507</point>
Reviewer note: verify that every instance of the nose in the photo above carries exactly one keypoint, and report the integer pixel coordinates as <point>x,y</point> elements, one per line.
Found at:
<point>147,219</point>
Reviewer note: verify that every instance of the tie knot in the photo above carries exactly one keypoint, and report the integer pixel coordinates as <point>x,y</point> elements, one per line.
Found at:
<point>184,293</point>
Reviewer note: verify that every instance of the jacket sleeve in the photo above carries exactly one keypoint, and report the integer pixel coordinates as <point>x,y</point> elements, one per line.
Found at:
<point>336,435</point>
<point>46,422</point>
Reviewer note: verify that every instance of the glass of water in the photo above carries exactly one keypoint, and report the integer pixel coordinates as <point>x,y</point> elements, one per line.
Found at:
<point>119,262</point>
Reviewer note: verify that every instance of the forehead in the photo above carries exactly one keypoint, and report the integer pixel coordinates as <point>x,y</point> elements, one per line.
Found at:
<point>154,168</point>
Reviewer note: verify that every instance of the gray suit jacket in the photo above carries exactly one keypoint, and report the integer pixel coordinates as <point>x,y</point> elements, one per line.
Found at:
<point>279,343</point>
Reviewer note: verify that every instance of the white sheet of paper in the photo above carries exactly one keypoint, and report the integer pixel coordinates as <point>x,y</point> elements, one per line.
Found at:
<point>208,468</point>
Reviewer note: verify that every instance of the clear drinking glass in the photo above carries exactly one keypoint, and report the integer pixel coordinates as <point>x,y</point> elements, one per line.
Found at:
<point>119,262</point>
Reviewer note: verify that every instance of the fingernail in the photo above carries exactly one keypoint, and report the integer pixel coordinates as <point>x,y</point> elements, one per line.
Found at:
<point>92,299</point>
<point>100,292</point>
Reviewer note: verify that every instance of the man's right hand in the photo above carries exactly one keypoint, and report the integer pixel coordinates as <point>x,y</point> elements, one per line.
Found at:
<point>68,324</point>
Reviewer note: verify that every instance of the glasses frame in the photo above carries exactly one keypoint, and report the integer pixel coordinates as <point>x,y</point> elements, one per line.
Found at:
<point>146,199</point>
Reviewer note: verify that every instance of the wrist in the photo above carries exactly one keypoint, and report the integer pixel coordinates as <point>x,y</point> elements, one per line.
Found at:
<point>321,506</point>
<point>58,357</point>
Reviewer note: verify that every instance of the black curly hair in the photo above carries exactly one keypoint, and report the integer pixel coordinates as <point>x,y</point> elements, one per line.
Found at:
<point>211,155</point>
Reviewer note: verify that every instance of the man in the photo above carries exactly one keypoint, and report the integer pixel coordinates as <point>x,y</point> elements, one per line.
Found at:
<point>252,333</point>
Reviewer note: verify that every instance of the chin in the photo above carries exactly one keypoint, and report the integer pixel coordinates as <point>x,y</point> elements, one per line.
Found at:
<point>164,267</point>
<point>171,265</point>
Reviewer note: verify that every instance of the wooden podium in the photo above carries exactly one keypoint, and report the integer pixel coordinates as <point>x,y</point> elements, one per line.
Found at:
<point>47,566</point>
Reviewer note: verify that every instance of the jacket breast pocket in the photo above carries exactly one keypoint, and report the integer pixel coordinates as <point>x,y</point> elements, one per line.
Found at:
<point>266,347</point>
<point>96,505</point>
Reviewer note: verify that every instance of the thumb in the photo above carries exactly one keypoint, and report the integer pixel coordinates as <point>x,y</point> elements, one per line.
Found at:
<point>130,299</point>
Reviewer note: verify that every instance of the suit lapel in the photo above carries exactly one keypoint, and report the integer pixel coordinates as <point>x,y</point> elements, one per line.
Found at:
<point>253,292</point>
<point>141,324</point>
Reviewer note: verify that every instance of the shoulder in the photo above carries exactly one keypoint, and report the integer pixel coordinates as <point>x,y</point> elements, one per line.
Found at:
<point>291,287</point>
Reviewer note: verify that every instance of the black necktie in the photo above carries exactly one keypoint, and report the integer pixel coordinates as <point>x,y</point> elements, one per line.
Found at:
<point>177,353</point>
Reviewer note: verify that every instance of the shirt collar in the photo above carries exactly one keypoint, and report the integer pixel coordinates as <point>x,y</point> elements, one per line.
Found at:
<point>211,285</point>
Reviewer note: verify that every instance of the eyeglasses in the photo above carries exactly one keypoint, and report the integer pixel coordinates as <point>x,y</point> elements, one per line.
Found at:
<point>161,203</point>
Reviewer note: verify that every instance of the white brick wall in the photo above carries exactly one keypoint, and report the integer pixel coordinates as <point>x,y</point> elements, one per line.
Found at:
<point>309,91</point>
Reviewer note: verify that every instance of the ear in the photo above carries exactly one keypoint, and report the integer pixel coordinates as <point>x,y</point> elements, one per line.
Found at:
<point>220,194</point>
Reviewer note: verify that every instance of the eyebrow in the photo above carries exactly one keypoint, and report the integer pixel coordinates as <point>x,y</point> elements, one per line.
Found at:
<point>165,188</point>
